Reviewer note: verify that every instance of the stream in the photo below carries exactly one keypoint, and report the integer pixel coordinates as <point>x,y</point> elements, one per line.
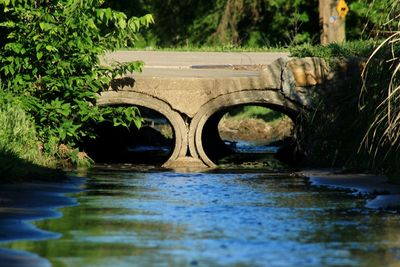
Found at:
<point>127,215</point>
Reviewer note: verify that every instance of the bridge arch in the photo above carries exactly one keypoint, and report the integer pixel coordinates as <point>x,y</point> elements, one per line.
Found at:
<point>207,118</point>
<point>139,99</point>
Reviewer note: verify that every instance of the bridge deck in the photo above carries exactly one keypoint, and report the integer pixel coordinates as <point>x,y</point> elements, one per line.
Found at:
<point>197,64</point>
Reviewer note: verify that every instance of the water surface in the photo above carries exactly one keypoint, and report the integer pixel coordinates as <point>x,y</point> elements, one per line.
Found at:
<point>226,218</point>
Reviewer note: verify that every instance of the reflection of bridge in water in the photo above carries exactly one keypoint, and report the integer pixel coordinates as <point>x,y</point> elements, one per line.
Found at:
<point>194,99</point>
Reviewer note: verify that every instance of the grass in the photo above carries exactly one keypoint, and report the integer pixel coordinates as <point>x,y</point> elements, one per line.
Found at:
<point>360,49</point>
<point>256,112</point>
<point>18,136</point>
<point>227,48</point>
<point>380,96</point>
<point>21,154</point>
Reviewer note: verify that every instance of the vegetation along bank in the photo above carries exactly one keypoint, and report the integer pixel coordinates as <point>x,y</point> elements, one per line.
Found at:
<point>50,72</point>
<point>49,58</point>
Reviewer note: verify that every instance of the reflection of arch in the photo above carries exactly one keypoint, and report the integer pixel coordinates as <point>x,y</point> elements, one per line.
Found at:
<point>139,99</point>
<point>273,99</point>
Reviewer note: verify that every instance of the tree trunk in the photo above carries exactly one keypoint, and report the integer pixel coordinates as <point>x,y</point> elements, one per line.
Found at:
<point>332,25</point>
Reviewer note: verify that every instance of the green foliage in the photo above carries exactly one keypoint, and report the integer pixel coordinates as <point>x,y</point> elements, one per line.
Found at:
<point>359,126</point>
<point>374,18</point>
<point>50,58</point>
<point>228,22</point>
<point>361,49</point>
<point>251,23</point>
<point>257,112</point>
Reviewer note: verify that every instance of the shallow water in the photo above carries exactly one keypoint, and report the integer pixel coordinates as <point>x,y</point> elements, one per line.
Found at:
<point>225,218</point>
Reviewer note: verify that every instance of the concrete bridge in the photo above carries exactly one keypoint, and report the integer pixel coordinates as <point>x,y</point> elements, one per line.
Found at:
<point>194,90</point>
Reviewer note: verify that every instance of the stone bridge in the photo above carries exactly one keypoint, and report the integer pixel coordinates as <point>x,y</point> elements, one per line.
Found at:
<point>193,98</point>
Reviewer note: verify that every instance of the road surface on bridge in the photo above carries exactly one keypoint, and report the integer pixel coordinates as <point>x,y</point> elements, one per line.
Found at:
<point>197,64</point>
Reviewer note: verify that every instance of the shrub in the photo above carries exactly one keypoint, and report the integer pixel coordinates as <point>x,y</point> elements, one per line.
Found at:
<point>49,56</point>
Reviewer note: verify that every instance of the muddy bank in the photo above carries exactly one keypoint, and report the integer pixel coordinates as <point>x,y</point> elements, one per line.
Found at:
<point>253,129</point>
<point>380,193</point>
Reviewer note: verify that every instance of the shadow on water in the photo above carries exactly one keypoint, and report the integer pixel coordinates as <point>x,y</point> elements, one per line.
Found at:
<point>14,169</point>
<point>251,136</point>
<point>152,144</point>
<point>253,155</point>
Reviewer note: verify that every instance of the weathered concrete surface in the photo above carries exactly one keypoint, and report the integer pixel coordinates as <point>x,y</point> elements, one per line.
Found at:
<point>165,59</point>
<point>189,97</point>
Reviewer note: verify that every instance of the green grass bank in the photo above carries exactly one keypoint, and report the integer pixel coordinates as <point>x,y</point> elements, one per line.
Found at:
<point>22,155</point>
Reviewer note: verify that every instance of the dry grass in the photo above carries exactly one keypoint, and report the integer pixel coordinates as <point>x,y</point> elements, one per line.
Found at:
<point>384,131</point>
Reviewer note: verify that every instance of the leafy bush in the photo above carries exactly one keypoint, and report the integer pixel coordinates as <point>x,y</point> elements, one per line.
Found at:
<point>49,56</point>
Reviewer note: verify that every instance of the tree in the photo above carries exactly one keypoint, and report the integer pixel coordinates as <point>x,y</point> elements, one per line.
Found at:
<point>232,22</point>
<point>49,57</point>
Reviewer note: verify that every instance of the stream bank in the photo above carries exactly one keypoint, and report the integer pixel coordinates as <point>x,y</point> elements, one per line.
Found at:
<point>380,192</point>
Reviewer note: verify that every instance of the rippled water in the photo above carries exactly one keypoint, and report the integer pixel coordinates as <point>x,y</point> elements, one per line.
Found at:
<point>158,218</point>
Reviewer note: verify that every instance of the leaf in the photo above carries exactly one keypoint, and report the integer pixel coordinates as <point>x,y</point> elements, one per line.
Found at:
<point>5,2</point>
<point>100,14</point>
<point>39,55</point>
<point>108,14</point>
<point>116,122</point>
<point>50,48</point>
<point>38,46</point>
<point>122,23</point>
<point>8,24</point>
<point>138,122</point>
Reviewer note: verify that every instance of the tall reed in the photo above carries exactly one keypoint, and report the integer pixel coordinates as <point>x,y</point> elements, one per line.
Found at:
<point>381,95</point>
